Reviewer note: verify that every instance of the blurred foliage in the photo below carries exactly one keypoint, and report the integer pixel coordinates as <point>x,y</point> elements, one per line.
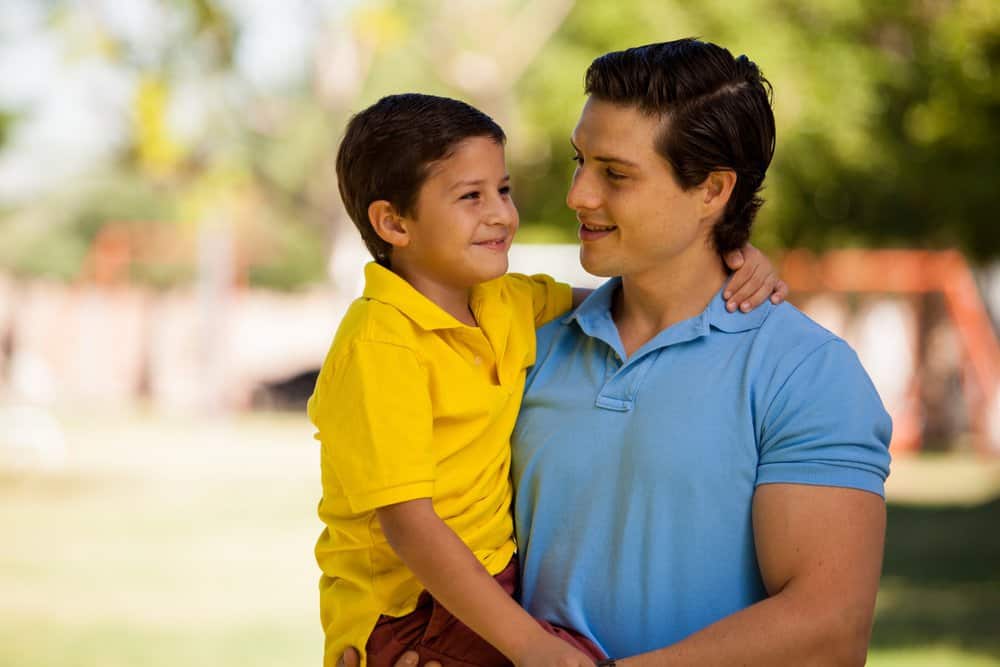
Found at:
<point>888,116</point>
<point>888,113</point>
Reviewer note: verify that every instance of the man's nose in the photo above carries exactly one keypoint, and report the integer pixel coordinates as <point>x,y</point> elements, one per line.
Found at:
<point>582,194</point>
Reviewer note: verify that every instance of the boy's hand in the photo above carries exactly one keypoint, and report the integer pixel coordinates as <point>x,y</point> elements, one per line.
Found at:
<point>549,651</point>
<point>754,280</point>
<point>408,659</point>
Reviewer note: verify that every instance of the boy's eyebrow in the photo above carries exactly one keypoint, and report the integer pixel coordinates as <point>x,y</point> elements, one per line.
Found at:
<point>475,183</point>
<point>608,158</point>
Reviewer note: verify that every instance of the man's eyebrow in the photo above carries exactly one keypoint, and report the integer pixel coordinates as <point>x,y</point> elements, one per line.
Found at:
<point>608,158</point>
<point>475,183</point>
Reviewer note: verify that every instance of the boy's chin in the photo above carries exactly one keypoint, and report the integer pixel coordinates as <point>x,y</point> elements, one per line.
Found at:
<point>487,271</point>
<point>494,274</point>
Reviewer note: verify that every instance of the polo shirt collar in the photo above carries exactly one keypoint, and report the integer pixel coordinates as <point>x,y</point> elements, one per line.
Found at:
<point>720,318</point>
<point>593,316</point>
<point>382,285</point>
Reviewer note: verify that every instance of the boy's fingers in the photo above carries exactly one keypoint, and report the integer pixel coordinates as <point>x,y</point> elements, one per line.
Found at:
<point>734,259</point>
<point>742,286</point>
<point>780,292</point>
<point>349,658</point>
<point>758,297</point>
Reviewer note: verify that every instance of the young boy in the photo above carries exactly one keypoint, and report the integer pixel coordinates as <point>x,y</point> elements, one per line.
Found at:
<point>418,395</point>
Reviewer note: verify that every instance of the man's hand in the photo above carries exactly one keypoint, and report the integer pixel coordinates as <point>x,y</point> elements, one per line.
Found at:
<point>754,280</point>
<point>408,659</point>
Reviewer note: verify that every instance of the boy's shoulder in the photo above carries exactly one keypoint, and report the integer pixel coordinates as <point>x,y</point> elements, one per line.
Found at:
<point>372,321</point>
<point>516,285</point>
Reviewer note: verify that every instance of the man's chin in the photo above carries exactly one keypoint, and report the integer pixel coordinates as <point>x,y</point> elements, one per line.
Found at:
<point>595,267</point>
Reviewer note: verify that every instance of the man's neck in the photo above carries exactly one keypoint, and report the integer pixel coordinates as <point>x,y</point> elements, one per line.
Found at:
<point>650,302</point>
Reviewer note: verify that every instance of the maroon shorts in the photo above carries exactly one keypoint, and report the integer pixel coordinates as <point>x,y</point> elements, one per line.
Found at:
<point>435,634</point>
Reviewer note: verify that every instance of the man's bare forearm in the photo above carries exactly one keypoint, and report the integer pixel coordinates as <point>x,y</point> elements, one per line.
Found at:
<point>778,631</point>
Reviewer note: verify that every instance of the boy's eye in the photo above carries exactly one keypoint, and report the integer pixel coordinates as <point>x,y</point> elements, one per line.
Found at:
<point>505,190</point>
<point>470,195</point>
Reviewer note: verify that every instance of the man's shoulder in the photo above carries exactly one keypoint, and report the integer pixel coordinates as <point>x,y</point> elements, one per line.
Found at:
<point>788,328</point>
<point>549,333</point>
<point>790,344</point>
<point>793,348</point>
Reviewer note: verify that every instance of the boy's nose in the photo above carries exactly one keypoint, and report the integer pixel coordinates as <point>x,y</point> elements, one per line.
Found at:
<point>500,214</point>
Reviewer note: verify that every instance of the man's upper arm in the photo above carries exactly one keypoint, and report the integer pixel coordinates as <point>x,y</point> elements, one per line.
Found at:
<point>818,511</point>
<point>826,538</point>
<point>825,425</point>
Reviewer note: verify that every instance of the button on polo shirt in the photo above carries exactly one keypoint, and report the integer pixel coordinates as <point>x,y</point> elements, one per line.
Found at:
<point>634,476</point>
<point>411,403</point>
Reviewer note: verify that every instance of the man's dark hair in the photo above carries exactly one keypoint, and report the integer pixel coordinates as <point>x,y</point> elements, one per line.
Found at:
<point>388,148</point>
<point>717,113</point>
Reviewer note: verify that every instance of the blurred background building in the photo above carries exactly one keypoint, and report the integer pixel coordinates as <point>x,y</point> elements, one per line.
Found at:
<point>174,259</point>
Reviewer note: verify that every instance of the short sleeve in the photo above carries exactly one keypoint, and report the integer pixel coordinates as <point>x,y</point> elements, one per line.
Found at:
<point>826,425</point>
<point>373,414</point>
<point>549,297</point>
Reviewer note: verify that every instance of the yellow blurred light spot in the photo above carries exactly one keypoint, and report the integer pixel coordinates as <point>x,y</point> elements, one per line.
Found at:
<point>379,26</point>
<point>157,152</point>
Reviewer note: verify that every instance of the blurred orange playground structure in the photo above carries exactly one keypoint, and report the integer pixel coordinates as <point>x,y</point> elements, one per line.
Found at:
<point>916,272</point>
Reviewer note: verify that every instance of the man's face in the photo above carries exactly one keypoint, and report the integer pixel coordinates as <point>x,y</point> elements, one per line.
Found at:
<point>634,217</point>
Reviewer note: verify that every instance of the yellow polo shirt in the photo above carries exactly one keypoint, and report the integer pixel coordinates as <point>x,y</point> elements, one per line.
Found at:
<point>411,403</point>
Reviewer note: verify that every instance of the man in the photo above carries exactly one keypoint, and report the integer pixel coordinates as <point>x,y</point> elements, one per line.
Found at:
<point>694,487</point>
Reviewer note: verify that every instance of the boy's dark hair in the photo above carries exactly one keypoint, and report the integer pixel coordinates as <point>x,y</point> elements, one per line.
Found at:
<point>388,148</point>
<point>717,113</point>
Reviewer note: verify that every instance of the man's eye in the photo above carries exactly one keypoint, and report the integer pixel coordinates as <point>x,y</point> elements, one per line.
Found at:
<point>578,159</point>
<point>614,175</point>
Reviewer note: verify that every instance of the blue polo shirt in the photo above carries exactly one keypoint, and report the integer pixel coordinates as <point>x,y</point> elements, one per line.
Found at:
<point>634,478</point>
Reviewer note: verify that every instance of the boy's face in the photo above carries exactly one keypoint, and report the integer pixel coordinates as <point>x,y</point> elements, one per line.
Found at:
<point>634,217</point>
<point>464,220</point>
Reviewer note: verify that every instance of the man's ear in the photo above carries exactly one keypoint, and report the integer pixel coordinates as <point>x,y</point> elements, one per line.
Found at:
<point>717,188</point>
<point>388,224</point>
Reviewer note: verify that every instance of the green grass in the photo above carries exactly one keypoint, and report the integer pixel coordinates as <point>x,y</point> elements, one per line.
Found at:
<point>940,587</point>
<point>188,543</point>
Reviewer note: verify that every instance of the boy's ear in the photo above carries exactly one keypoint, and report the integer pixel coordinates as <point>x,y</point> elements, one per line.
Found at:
<point>717,189</point>
<point>388,224</point>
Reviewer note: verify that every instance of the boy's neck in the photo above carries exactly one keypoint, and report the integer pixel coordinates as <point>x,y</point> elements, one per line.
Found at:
<point>452,300</point>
